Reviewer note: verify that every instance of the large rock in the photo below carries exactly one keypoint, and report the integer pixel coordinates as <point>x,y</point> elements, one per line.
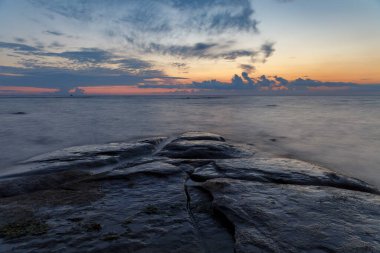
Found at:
<point>291,218</point>
<point>192,193</point>
<point>89,156</point>
<point>278,170</point>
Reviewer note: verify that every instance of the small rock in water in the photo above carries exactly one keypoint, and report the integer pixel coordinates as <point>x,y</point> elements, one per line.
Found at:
<point>18,113</point>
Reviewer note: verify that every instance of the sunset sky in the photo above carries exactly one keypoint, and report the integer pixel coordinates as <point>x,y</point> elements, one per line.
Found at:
<point>180,46</point>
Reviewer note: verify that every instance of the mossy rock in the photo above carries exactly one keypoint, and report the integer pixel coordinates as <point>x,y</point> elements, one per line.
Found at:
<point>150,209</point>
<point>23,228</point>
<point>110,237</point>
<point>90,227</point>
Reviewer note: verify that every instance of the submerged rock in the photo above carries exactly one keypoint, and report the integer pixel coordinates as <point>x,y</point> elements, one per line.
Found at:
<point>193,193</point>
<point>18,113</point>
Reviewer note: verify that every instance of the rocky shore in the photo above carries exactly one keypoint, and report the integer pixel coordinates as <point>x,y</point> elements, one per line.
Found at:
<point>195,192</point>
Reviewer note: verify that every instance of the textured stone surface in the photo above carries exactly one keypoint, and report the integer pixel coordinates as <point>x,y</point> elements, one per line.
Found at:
<point>291,218</point>
<point>278,170</point>
<point>202,149</point>
<point>192,193</point>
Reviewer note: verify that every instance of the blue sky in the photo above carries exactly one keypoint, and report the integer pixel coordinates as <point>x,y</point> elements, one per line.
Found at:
<point>267,46</point>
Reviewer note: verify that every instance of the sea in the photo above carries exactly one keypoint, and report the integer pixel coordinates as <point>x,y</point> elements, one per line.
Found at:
<point>339,132</point>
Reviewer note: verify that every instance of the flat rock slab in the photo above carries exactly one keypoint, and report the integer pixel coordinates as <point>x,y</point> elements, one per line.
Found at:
<point>202,149</point>
<point>194,136</point>
<point>196,192</point>
<point>290,218</point>
<point>278,170</point>
<point>89,156</point>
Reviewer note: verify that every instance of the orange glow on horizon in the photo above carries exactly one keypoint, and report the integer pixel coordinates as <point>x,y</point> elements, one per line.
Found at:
<point>25,90</point>
<point>326,88</point>
<point>128,90</point>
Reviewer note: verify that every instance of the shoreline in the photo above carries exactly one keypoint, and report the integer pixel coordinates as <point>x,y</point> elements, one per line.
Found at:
<point>196,192</point>
<point>264,142</point>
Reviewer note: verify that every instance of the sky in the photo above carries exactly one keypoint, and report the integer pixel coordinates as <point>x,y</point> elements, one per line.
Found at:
<point>120,47</point>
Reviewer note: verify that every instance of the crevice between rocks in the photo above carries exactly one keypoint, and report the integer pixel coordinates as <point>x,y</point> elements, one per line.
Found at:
<point>192,217</point>
<point>216,215</point>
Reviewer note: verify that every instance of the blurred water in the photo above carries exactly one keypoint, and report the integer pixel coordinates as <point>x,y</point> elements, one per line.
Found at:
<point>342,133</point>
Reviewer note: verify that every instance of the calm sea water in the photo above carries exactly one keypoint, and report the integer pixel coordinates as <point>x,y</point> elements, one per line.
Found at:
<point>342,133</point>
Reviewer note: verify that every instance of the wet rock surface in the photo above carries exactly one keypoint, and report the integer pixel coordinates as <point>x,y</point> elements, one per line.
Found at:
<point>193,193</point>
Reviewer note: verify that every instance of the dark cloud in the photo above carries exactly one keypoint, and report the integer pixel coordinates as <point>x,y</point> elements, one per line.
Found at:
<point>19,40</point>
<point>146,22</point>
<point>247,68</point>
<point>133,63</point>
<point>55,33</point>
<point>96,55</point>
<point>56,44</point>
<point>66,79</point>
<point>147,25</point>
<point>88,67</point>
<point>220,15</point>
<point>285,1</point>
<point>208,50</point>
<point>249,80</point>
<point>232,55</point>
<point>267,49</point>
<point>81,56</point>
<point>85,55</point>
<point>146,15</point>
<point>180,65</point>
<point>276,85</point>
<point>196,50</point>
<point>18,47</point>
<point>199,50</point>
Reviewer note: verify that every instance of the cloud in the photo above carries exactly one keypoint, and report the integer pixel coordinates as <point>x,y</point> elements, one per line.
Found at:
<point>19,40</point>
<point>133,63</point>
<point>85,55</point>
<point>56,44</point>
<point>249,80</point>
<point>275,85</point>
<point>181,66</point>
<point>146,25</point>
<point>285,1</point>
<point>48,76</point>
<point>78,91</point>
<point>66,79</point>
<point>139,29</point>
<point>200,50</point>
<point>81,56</point>
<point>18,47</point>
<point>55,33</point>
<point>248,68</point>
<point>196,50</point>
<point>267,49</point>
<point>220,15</point>
<point>145,15</point>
